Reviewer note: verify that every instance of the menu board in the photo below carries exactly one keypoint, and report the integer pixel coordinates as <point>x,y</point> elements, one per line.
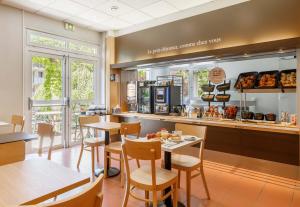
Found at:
<point>216,75</point>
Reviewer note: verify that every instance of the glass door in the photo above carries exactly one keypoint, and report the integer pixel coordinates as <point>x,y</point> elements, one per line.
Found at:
<point>82,92</point>
<point>47,102</point>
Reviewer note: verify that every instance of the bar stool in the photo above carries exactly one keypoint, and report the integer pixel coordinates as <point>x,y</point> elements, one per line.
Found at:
<point>17,120</point>
<point>189,163</point>
<point>148,178</point>
<point>133,129</point>
<point>89,143</point>
<point>45,130</point>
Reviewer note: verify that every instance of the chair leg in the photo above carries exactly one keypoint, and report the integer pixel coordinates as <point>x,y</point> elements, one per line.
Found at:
<point>122,173</point>
<point>97,153</point>
<point>179,175</point>
<point>138,163</point>
<point>155,201</point>
<point>175,194</point>
<point>105,164</point>
<point>204,182</point>
<point>126,196</point>
<point>93,160</point>
<point>188,188</point>
<point>147,198</point>
<point>50,148</point>
<point>41,146</point>
<point>80,155</point>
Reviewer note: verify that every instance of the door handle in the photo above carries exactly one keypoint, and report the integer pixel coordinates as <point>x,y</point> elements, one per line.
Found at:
<point>29,103</point>
<point>67,101</point>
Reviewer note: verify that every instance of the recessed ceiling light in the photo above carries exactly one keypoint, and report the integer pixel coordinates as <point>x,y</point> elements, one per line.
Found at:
<point>114,8</point>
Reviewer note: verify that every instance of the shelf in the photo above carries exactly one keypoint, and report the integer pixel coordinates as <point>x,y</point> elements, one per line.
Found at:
<point>271,90</point>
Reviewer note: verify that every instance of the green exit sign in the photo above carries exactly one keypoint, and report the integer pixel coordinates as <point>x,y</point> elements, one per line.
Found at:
<point>69,26</point>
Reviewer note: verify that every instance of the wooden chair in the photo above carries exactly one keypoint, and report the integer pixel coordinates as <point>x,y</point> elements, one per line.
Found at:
<point>90,197</point>
<point>147,178</point>
<point>17,120</point>
<point>89,143</point>
<point>45,130</point>
<point>133,129</point>
<point>189,163</point>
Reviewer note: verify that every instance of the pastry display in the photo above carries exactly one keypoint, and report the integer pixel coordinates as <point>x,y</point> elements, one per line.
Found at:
<point>246,80</point>
<point>212,112</point>
<point>223,87</point>
<point>230,112</point>
<point>288,78</point>
<point>208,97</point>
<point>223,97</point>
<point>268,79</point>
<point>259,116</point>
<point>270,117</point>
<point>247,115</point>
<point>208,88</point>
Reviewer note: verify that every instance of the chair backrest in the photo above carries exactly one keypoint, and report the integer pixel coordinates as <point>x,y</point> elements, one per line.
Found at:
<point>141,150</point>
<point>45,130</point>
<point>195,130</point>
<point>90,197</point>
<point>17,120</point>
<point>87,120</point>
<point>133,128</point>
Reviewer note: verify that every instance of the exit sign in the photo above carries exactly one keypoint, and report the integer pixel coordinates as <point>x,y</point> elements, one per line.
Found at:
<point>69,26</point>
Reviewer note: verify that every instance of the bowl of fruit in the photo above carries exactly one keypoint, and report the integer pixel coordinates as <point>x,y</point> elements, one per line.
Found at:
<point>230,112</point>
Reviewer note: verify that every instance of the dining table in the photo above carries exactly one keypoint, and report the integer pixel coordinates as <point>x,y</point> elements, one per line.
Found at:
<point>170,147</point>
<point>107,127</point>
<point>2,123</point>
<point>33,181</point>
<point>12,146</point>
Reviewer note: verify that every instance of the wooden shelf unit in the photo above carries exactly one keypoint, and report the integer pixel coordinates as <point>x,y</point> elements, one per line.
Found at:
<point>270,90</point>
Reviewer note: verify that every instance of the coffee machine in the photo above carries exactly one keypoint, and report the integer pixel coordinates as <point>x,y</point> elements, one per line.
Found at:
<point>146,97</point>
<point>165,98</point>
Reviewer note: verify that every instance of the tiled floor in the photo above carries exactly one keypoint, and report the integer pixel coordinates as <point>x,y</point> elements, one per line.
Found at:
<point>233,181</point>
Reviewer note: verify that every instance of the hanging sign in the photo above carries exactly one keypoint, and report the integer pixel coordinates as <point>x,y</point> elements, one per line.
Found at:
<point>217,75</point>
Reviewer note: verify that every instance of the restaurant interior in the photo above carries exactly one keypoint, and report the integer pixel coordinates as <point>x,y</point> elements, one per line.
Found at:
<point>163,103</point>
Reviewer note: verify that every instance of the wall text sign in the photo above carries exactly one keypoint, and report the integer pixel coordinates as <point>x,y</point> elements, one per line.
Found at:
<point>184,46</point>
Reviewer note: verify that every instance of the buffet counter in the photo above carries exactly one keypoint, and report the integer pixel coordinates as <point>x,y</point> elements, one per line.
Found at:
<point>266,127</point>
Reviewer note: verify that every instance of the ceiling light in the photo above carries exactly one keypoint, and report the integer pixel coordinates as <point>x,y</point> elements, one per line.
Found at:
<point>114,5</point>
<point>114,8</point>
<point>179,66</point>
<point>205,63</point>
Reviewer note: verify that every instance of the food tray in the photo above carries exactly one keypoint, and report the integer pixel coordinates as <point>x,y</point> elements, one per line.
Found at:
<point>243,75</point>
<point>224,86</point>
<point>261,74</point>
<point>207,99</point>
<point>208,88</point>
<point>287,72</point>
<point>223,99</point>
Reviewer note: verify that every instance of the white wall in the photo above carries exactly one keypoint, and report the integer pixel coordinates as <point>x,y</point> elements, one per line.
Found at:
<point>11,59</point>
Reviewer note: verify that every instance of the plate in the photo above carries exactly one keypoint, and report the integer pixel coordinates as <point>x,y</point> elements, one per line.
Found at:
<point>190,138</point>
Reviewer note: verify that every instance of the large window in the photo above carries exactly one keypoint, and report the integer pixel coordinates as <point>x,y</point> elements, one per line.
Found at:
<point>82,48</point>
<point>200,78</point>
<point>44,40</point>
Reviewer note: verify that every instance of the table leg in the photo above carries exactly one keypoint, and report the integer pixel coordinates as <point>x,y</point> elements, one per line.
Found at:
<point>111,171</point>
<point>168,166</point>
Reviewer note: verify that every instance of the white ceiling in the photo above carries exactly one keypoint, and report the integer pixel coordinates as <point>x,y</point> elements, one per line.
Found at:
<point>130,15</point>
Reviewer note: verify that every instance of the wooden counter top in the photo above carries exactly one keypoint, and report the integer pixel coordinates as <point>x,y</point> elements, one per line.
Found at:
<point>16,136</point>
<point>277,128</point>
